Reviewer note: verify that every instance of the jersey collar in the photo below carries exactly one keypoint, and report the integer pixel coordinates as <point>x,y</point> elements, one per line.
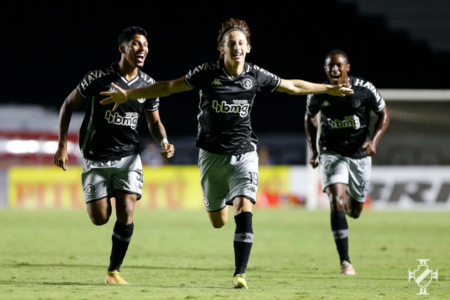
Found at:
<point>222,66</point>
<point>128,82</point>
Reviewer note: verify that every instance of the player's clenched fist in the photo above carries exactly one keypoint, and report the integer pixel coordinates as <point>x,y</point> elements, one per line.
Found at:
<point>168,150</point>
<point>61,158</point>
<point>313,160</point>
<point>370,148</point>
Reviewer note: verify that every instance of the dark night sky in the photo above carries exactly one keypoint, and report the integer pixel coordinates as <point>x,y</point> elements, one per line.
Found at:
<point>47,50</point>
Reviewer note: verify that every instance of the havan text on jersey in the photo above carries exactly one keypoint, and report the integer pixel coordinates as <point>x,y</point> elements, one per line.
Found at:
<point>240,107</point>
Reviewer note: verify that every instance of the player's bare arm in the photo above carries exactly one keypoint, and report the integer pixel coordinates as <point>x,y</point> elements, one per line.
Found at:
<point>72,101</point>
<point>158,132</point>
<point>158,89</point>
<point>380,127</point>
<point>311,135</point>
<point>301,87</point>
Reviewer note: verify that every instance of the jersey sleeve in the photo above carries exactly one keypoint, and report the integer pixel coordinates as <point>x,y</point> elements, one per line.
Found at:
<point>312,104</point>
<point>86,86</point>
<point>151,104</point>
<point>376,102</point>
<point>267,81</point>
<point>195,78</point>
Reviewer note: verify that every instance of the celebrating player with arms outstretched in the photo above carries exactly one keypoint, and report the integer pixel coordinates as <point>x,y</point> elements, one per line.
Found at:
<point>110,144</point>
<point>345,145</point>
<point>228,160</point>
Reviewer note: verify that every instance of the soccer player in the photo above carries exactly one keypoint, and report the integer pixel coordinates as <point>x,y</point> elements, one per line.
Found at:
<point>228,159</point>
<point>345,147</point>
<point>110,144</point>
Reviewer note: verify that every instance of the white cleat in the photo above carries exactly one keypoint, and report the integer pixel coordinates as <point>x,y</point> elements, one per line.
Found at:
<point>347,268</point>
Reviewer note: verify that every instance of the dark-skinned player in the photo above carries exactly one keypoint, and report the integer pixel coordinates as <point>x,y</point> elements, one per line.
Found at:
<point>345,146</point>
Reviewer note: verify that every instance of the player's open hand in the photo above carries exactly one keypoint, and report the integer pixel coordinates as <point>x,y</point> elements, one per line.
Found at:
<point>118,97</point>
<point>371,148</point>
<point>313,159</point>
<point>340,90</point>
<point>168,150</point>
<point>61,159</point>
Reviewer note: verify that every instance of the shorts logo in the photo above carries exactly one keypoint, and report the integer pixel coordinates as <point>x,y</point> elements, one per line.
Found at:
<point>326,177</point>
<point>90,190</point>
<point>206,201</point>
<point>356,102</point>
<point>247,83</point>
<point>142,100</point>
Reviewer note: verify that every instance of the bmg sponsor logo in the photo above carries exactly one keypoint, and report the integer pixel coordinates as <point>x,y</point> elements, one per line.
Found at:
<point>130,119</point>
<point>240,107</point>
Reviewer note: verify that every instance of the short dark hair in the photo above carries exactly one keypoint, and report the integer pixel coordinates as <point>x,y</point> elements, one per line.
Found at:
<point>127,33</point>
<point>337,51</point>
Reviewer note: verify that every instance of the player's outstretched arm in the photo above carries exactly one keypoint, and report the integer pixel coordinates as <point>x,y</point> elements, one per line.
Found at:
<point>311,135</point>
<point>61,158</point>
<point>301,87</point>
<point>380,127</point>
<point>158,89</point>
<point>158,132</point>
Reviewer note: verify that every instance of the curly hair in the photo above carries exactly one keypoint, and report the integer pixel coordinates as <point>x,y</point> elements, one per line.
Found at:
<point>230,25</point>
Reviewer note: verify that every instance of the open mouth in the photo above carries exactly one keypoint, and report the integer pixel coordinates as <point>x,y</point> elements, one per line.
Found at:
<point>335,77</point>
<point>140,58</point>
<point>237,55</point>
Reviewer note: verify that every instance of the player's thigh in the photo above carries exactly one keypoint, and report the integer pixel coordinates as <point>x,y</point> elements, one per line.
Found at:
<point>96,180</point>
<point>214,173</point>
<point>128,176</point>
<point>358,185</point>
<point>125,204</point>
<point>243,179</point>
<point>333,170</point>
<point>99,210</point>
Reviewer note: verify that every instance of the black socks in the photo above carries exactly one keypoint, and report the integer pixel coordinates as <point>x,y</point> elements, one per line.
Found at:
<point>243,241</point>
<point>339,227</point>
<point>121,238</point>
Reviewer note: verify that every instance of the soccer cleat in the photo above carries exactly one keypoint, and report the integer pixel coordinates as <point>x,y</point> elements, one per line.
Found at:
<point>239,282</point>
<point>347,268</point>
<point>114,277</point>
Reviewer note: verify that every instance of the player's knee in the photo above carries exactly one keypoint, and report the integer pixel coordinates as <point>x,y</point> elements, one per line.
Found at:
<point>354,214</point>
<point>218,223</point>
<point>99,220</point>
<point>338,202</point>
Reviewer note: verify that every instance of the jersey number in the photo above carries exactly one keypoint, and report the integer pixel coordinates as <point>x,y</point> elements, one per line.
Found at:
<point>254,178</point>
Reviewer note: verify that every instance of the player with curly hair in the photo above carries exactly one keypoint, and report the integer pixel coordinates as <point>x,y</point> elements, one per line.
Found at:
<point>228,159</point>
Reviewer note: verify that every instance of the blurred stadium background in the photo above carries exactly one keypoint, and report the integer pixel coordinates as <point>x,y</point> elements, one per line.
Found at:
<point>400,46</point>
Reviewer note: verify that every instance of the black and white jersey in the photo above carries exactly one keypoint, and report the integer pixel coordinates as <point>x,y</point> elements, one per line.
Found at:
<point>224,125</point>
<point>107,135</point>
<point>345,121</point>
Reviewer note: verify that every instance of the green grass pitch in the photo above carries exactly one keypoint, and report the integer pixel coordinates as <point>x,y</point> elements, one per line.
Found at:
<point>178,255</point>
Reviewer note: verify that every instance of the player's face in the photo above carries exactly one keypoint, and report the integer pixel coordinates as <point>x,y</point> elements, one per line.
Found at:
<point>235,46</point>
<point>136,50</point>
<point>337,68</point>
